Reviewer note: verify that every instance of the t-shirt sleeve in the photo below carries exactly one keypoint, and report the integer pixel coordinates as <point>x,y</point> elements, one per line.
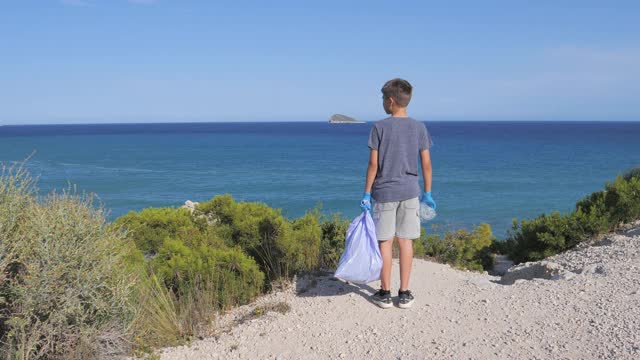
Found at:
<point>424,139</point>
<point>374,139</point>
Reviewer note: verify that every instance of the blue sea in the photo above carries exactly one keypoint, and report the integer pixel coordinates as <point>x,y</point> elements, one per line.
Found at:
<point>482,171</point>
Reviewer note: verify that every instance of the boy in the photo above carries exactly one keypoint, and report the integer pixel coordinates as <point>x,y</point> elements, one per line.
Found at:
<point>392,182</point>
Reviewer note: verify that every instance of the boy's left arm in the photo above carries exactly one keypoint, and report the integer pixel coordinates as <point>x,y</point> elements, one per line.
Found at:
<point>425,159</point>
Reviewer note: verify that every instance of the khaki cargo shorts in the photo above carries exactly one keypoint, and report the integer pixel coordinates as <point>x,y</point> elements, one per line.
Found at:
<point>397,218</point>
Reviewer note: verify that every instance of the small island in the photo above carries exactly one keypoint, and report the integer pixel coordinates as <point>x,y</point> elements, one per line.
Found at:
<point>343,119</point>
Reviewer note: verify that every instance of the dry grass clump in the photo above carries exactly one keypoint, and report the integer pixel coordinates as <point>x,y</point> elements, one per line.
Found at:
<point>64,284</point>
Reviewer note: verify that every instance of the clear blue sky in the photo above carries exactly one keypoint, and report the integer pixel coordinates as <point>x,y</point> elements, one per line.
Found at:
<point>70,61</point>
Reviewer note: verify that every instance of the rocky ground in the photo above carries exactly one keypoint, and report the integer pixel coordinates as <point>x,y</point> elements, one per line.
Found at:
<point>583,304</point>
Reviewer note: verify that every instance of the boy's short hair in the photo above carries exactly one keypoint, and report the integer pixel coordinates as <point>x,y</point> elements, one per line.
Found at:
<point>399,90</point>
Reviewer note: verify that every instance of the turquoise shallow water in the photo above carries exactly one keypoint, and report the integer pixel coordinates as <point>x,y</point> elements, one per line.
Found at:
<point>482,171</point>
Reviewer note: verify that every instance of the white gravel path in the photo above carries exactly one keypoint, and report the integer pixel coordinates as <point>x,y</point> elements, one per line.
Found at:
<point>586,307</point>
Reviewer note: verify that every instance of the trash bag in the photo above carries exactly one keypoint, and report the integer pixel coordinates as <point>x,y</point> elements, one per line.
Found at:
<point>361,261</point>
<point>426,212</point>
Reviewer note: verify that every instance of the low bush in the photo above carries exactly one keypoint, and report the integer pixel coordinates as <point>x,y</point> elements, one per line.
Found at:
<point>151,227</point>
<point>622,201</point>
<point>222,255</point>
<point>279,246</point>
<point>542,237</point>
<point>462,249</point>
<point>597,213</point>
<point>235,277</point>
<point>332,244</point>
<point>190,275</point>
<point>419,249</point>
<point>632,173</point>
<point>592,214</point>
<point>304,249</point>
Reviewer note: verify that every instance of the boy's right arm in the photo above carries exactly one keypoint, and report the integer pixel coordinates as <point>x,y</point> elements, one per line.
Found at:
<point>372,170</point>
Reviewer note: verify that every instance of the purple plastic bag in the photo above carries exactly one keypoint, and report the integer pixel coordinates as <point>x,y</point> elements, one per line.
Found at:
<point>361,261</point>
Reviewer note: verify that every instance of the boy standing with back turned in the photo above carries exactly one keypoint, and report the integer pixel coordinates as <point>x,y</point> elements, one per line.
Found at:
<point>392,182</point>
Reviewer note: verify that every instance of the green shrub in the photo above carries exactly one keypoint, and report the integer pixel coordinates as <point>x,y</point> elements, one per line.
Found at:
<point>215,258</point>
<point>500,247</point>
<point>150,227</point>
<point>238,223</point>
<point>537,239</point>
<point>595,214</point>
<point>237,277</point>
<point>618,203</point>
<point>304,248</point>
<point>419,249</point>
<point>550,234</point>
<point>463,249</point>
<point>191,274</point>
<point>186,287</point>
<point>332,244</point>
<point>65,285</point>
<point>622,200</point>
<point>212,260</point>
<point>632,173</point>
<point>279,246</point>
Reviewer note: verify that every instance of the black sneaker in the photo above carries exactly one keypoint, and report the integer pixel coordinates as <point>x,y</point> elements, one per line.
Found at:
<point>382,298</point>
<point>405,299</point>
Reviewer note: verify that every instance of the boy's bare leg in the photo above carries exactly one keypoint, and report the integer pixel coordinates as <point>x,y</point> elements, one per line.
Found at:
<point>406,258</point>
<point>385,274</point>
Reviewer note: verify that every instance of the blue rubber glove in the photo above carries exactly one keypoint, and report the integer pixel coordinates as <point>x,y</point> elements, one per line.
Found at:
<point>426,198</point>
<point>365,203</point>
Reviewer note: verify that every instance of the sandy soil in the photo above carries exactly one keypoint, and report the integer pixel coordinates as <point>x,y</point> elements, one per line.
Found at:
<point>583,304</point>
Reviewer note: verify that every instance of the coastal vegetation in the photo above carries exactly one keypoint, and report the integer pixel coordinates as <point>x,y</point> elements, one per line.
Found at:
<point>461,248</point>
<point>595,214</point>
<point>74,285</point>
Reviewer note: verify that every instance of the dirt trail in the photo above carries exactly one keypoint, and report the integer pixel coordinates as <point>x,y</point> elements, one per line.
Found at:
<point>583,304</point>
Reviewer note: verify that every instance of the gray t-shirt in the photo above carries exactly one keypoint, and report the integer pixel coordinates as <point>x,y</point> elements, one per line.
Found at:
<point>399,142</point>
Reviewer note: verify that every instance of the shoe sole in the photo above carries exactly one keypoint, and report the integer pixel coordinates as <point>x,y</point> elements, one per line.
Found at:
<point>383,305</point>
<point>407,305</point>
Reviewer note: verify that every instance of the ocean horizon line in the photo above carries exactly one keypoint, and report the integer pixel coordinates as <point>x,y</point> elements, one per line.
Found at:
<point>315,121</point>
